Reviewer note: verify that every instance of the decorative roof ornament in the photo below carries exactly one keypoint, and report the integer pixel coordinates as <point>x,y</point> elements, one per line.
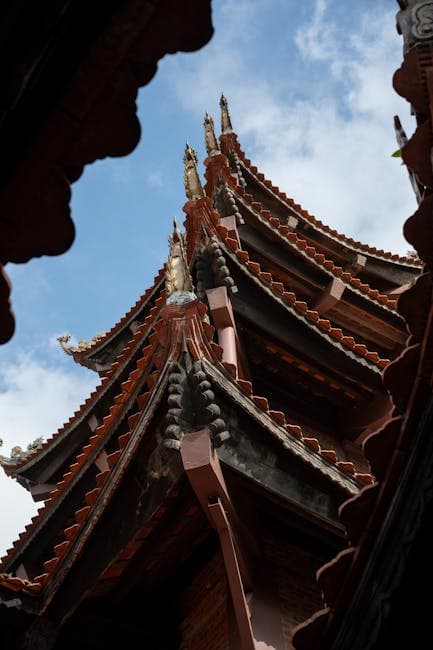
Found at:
<point>63,340</point>
<point>193,187</point>
<point>212,146</point>
<point>17,453</point>
<point>415,22</point>
<point>178,280</point>
<point>82,345</point>
<point>226,123</point>
<point>192,404</point>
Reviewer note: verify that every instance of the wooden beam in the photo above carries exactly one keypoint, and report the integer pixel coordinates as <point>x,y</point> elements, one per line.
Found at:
<point>205,475</point>
<point>330,296</point>
<point>357,264</point>
<point>242,614</point>
<point>41,491</point>
<point>204,472</point>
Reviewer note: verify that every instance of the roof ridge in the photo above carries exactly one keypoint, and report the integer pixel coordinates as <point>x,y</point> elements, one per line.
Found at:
<point>291,433</point>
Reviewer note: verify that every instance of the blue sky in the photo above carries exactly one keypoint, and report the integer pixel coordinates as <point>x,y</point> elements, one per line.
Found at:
<point>309,88</point>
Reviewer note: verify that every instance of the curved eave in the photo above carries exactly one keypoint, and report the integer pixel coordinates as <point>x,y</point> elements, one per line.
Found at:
<point>140,408</point>
<point>267,419</point>
<point>334,236</point>
<point>301,248</point>
<point>83,356</point>
<point>95,501</point>
<point>81,462</point>
<point>309,318</point>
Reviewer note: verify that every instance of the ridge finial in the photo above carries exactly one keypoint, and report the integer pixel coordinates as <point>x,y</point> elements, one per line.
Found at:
<point>64,340</point>
<point>177,275</point>
<point>193,187</point>
<point>226,123</point>
<point>212,147</point>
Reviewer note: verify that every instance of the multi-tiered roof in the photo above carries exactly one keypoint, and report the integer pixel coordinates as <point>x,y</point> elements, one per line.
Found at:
<point>234,398</point>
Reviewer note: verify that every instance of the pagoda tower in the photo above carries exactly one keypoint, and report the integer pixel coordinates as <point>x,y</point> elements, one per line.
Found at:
<point>191,499</point>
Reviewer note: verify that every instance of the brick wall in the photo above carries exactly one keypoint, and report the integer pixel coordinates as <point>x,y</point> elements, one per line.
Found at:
<point>294,571</point>
<point>204,604</point>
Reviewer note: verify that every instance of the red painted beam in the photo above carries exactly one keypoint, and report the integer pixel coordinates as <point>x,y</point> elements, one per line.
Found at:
<point>242,614</point>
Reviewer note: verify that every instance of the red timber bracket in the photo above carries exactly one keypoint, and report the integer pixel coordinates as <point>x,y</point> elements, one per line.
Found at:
<point>329,296</point>
<point>204,472</point>
<point>222,313</point>
<point>357,264</point>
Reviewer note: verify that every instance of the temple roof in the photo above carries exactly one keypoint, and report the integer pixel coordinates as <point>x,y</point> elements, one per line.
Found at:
<point>232,247</point>
<point>180,330</point>
<point>239,343</point>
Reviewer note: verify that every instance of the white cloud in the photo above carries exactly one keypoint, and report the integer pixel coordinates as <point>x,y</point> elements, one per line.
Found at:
<point>327,144</point>
<point>317,40</point>
<point>35,400</point>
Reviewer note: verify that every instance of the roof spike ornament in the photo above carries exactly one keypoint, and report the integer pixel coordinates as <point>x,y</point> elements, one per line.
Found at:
<point>402,140</point>
<point>193,187</point>
<point>226,123</point>
<point>212,147</point>
<point>178,280</point>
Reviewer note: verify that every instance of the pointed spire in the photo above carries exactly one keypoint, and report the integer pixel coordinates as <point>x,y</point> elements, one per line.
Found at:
<point>212,146</point>
<point>177,276</point>
<point>226,123</point>
<point>193,188</point>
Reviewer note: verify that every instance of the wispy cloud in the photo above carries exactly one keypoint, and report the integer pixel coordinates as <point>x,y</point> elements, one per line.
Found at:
<point>317,40</point>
